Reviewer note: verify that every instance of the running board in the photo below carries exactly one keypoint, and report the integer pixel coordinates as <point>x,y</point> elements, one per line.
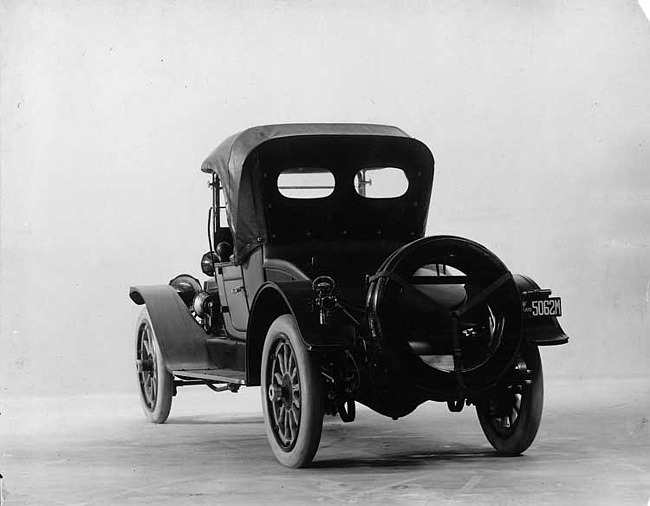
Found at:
<point>216,375</point>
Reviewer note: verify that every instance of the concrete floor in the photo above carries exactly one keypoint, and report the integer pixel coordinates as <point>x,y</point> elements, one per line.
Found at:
<point>593,448</point>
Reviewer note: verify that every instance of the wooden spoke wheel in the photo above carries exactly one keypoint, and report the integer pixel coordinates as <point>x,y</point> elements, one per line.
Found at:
<point>155,382</point>
<point>511,415</point>
<point>292,395</point>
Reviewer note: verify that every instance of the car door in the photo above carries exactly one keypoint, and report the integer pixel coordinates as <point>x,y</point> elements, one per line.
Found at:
<point>233,293</point>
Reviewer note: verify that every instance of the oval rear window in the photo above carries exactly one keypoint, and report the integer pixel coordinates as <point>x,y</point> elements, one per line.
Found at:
<point>381,182</point>
<point>306,183</point>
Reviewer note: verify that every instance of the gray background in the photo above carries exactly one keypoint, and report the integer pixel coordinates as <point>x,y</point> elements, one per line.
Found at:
<point>538,114</point>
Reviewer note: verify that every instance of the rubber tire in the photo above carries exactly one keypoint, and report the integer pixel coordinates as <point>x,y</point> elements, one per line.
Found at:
<point>159,412</point>
<point>530,416</point>
<point>312,395</point>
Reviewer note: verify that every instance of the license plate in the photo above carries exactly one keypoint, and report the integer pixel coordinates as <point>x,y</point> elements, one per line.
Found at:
<point>551,306</point>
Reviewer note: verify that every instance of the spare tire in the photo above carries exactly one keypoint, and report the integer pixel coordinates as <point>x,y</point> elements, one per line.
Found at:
<point>447,314</point>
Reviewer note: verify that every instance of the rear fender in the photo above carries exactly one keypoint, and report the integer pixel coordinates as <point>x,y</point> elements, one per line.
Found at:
<point>276,299</point>
<point>180,337</point>
<point>541,331</point>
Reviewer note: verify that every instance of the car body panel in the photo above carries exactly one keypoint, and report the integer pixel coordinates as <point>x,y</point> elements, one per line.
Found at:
<point>180,337</point>
<point>275,299</point>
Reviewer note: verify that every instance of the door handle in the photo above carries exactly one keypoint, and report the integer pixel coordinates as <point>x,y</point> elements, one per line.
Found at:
<point>238,289</point>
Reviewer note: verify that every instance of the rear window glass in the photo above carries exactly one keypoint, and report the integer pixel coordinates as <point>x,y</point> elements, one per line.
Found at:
<point>306,183</point>
<point>381,182</point>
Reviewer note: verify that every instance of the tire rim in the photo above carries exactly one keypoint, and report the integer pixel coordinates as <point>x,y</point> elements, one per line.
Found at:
<point>147,367</point>
<point>284,395</point>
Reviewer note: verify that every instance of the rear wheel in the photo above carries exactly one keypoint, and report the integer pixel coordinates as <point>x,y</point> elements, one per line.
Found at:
<point>155,382</point>
<point>511,416</point>
<point>292,395</point>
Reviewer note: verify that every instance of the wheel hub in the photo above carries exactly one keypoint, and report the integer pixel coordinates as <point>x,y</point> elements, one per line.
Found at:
<point>145,365</point>
<point>287,391</point>
<point>283,392</point>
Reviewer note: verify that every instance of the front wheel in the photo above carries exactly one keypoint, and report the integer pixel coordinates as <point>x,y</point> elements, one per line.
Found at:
<point>511,416</point>
<point>292,395</point>
<point>155,382</point>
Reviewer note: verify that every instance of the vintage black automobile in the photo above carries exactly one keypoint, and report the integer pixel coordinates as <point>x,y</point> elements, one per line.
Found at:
<point>323,290</point>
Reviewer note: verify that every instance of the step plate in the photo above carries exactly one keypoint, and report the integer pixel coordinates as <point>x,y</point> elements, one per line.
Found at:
<point>217,375</point>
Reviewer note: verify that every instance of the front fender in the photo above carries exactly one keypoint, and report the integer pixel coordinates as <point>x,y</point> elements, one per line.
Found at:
<point>542,331</point>
<point>180,337</point>
<point>276,299</point>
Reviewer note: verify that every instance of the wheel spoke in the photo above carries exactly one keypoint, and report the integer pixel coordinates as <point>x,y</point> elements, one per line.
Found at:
<point>287,358</point>
<point>290,431</point>
<point>146,344</point>
<point>294,416</point>
<point>283,358</point>
<point>283,426</point>
<point>280,358</point>
<point>293,421</point>
<point>154,388</point>
<point>280,427</point>
<point>295,388</point>
<point>148,389</point>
